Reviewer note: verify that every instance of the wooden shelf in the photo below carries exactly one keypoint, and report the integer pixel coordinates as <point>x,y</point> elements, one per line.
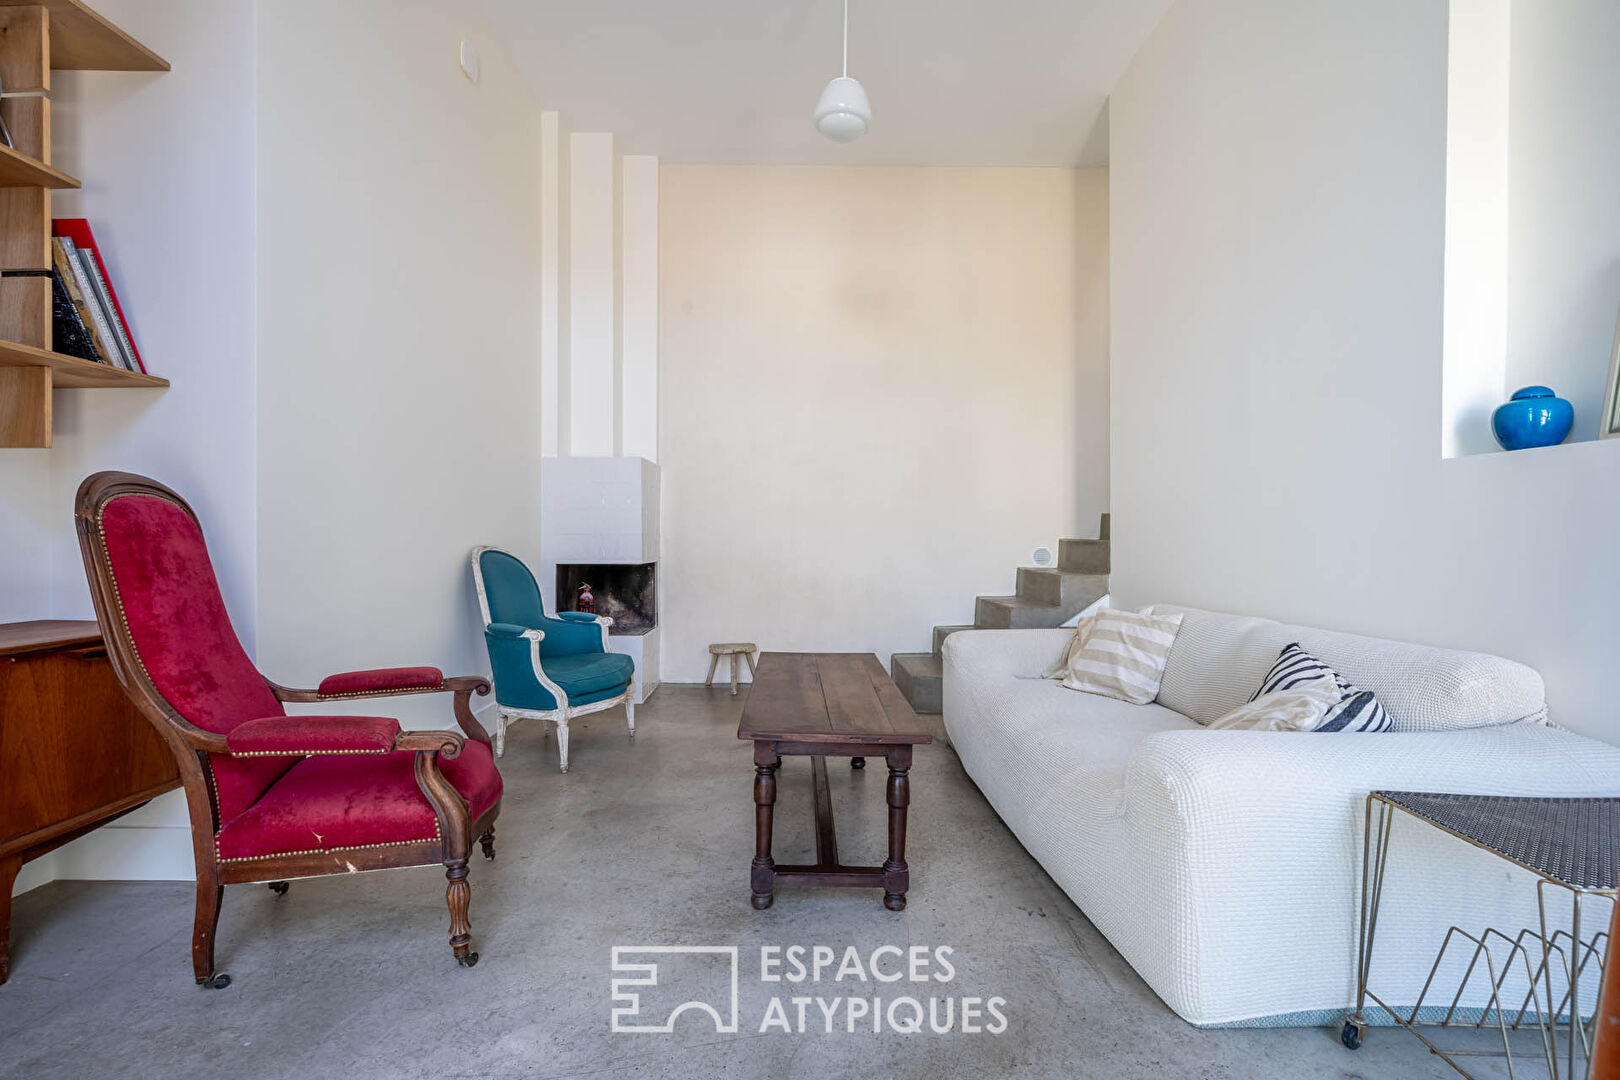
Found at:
<point>70,371</point>
<point>19,170</point>
<point>37,37</point>
<point>82,40</point>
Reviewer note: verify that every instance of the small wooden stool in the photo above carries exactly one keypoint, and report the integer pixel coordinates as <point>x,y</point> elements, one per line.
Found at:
<point>733,649</point>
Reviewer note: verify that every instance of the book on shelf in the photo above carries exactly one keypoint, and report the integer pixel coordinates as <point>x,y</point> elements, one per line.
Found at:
<point>79,291</point>
<point>77,230</point>
<point>69,335</point>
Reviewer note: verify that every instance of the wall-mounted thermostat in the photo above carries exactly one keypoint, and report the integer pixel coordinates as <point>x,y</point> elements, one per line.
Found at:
<point>469,59</point>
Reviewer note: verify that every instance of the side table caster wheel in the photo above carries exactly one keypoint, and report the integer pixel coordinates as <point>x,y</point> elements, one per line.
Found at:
<point>1354,1030</point>
<point>218,982</point>
<point>279,887</point>
<point>467,961</point>
<point>857,763</point>
<point>761,901</point>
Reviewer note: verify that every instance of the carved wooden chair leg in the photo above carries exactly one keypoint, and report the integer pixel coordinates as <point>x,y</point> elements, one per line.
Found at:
<point>500,733</point>
<point>458,894</point>
<point>630,709</point>
<point>209,896</point>
<point>562,741</point>
<point>487,842</point>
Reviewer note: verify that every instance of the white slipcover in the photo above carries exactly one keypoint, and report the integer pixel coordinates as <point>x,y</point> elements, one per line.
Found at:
<point>1225,865</point>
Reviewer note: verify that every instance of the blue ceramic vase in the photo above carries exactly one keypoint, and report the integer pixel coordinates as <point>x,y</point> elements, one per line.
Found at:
<point>1535,416</point>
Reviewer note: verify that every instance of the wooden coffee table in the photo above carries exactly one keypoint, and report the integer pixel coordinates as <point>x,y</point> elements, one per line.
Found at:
<point>820,705</point>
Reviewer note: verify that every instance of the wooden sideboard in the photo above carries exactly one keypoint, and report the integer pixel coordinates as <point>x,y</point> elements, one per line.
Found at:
<point>74,752</point>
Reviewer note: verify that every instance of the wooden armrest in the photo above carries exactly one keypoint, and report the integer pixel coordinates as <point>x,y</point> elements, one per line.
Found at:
<point>447,744</point>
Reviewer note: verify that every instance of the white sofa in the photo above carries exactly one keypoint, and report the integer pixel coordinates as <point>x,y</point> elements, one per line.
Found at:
<point>1225,865</point>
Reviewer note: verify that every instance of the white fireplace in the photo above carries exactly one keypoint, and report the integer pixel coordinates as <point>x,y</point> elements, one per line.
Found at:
<point>599,526</point>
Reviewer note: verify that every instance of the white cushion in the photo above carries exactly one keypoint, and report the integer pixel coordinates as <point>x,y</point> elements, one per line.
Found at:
<point>1218,660</point>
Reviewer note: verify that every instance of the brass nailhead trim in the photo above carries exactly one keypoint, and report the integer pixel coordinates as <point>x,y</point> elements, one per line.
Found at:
<point>327,851</point>
<point>304,753</point>
<point>377,693</point>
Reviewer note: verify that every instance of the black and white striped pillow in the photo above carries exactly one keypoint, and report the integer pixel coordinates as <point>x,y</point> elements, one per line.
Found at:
<point>1356,710</point>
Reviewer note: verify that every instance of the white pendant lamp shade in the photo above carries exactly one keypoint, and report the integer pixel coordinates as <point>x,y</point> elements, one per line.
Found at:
<point>844,114</point>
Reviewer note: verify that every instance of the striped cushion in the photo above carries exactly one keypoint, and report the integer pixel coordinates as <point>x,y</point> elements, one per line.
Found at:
<point>1060,670</point>
<point>1122,655</point>
<point>1301,693</point>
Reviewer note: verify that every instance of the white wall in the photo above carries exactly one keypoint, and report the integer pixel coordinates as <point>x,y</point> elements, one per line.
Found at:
<point>1278,179</point>
<point>399,349</point>
<point>554,302</point>
<point>869,387</point>
<point>1564,228</point>
<point>638,307</point>
<point>593,291</point>
<point>1474,362</point>
<point>167,164</point>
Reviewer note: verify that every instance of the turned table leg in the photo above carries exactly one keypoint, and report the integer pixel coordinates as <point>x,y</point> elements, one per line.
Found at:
<point>896,875</point>
<point>762,874</point>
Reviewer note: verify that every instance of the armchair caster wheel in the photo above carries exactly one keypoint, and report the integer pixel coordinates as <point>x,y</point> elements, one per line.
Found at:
<point>857,763</point>
<point>564,769</point>
<point>1354,1030</point>
<point>218,982</point>
<point>467,961</point>
<point>279,887</point>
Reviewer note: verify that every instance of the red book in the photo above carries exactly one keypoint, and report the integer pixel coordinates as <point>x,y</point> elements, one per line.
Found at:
<point>78,230</point>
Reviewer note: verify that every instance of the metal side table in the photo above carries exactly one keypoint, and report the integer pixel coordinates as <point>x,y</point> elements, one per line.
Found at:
<point>1570,844</point>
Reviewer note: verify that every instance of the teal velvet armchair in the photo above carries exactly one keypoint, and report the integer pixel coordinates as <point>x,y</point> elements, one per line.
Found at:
<point>550,668</point>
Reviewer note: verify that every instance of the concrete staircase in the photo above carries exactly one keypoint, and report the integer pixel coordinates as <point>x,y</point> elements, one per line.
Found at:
<point>1045,597</point>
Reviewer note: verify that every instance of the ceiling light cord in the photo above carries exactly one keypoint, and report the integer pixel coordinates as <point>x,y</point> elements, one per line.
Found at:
<point>846,39</point>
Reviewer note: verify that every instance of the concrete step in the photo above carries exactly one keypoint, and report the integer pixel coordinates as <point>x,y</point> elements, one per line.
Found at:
<point>1045,598</point>
<point>943,632</point>
<point>921,678</point>
<point>1015,613</point>
<point>1060,588</point>
<point>1084,556</point>
<point>1105,531</point>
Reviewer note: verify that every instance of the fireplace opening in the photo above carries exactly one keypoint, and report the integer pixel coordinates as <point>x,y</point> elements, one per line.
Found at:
<point>625,592</point>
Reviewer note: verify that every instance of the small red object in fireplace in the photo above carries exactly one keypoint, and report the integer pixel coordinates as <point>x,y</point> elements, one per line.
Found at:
<point>587,602</point>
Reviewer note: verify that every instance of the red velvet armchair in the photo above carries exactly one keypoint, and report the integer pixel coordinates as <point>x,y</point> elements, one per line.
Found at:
<point>272,796</point>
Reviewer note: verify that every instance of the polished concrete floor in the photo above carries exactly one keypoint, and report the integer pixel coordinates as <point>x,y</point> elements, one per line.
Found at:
<point>643,843</point>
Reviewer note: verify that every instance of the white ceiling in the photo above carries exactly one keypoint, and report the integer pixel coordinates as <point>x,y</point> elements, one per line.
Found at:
<point>952,82</point>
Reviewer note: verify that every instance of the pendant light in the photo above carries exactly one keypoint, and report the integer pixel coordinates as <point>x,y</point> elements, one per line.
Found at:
<point>843,114</point>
